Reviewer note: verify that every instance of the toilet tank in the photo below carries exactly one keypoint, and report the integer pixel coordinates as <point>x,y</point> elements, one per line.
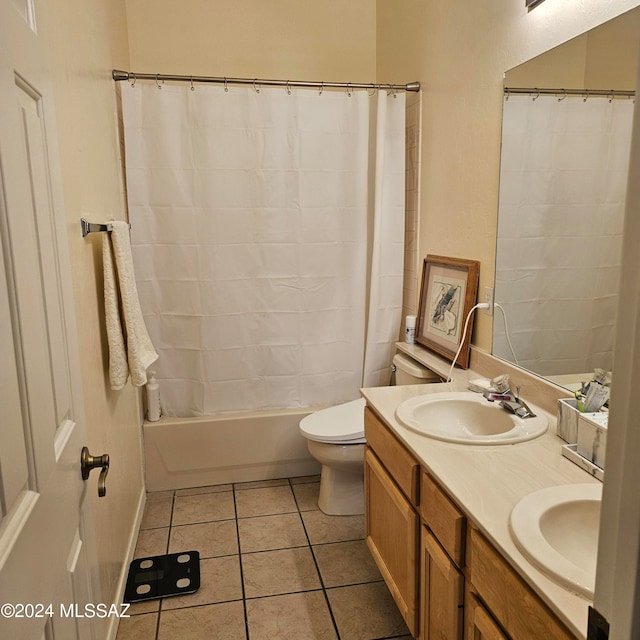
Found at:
<point>409,371</point>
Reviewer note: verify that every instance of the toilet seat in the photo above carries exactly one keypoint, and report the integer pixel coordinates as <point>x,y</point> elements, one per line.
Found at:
<point>342,424</point>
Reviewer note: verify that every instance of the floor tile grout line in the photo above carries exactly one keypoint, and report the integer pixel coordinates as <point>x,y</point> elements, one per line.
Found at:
<point>295,497</point>
<point>244,598</point>
<point>203,604</point>
<point>159,618</point>
<point>315,561</point>
<point>297,546</point>
<point>173,504</point>
<point>187,524</point>
<point>326,544</point>
<point>266,596</point>
<point>160,607</point>
<point>269,486</point>
<point>353,584</point>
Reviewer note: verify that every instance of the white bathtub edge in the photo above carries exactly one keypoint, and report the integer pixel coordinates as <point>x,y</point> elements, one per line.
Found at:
<point>194,452</point>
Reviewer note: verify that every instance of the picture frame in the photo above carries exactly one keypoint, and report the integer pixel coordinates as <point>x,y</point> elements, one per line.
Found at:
<point>448,292</point>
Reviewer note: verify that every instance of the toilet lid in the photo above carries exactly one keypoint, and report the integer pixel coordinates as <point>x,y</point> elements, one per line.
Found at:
<point>343,423</point>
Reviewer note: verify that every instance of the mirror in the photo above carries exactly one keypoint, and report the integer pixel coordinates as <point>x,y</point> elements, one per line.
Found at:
<point>563,174</point>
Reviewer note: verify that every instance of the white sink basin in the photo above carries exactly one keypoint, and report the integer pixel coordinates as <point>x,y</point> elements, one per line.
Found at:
<point>557,530</point>
<point>468,418</point>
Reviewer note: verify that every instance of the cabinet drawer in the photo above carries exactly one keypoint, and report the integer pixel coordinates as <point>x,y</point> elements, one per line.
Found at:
<point>400,464</point>
<point>514,604</point>
<point>443,518</point>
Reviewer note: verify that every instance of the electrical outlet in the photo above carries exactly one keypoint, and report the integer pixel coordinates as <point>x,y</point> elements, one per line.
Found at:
<point>488,298</point>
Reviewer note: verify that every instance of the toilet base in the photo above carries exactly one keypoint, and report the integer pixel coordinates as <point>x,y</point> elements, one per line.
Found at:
<point>341,492</point>
<point>342,479</point>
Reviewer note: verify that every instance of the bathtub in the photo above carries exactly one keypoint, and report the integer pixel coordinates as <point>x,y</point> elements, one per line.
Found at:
<point>240,447</point>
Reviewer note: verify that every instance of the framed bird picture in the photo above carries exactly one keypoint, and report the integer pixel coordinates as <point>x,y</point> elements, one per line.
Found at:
<point>447,294</point>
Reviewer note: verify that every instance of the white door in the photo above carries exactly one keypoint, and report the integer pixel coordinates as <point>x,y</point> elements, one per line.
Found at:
<point>45,534</point>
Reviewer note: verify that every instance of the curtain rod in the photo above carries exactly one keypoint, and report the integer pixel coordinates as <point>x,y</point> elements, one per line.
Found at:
<point>119,76</point>
<point>585,93</point>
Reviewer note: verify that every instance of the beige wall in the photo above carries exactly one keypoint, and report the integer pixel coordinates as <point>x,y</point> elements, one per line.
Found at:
<point>612,54</point>
<point>604,58</point>
<point>459,51</point>
<point>329,40</point>
<point>89,38</point>
<point>563,66</point>
<point>412,270</point>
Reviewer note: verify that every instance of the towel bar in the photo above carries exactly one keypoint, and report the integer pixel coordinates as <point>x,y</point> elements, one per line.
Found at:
<point>90,227</point>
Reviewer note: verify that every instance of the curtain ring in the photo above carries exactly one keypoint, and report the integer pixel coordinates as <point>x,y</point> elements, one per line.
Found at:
<point>564,96</point>
<point>132,75</point>
<point>192,87</point>
<point>256,89</point>
<point>537,95</point>
<point>158,82</point>
<point>586,96</point>
<point>506,94</point>
<point>611,96</point>
<point>226,89</point>
<point>288,88</point>
<point>372,93</point>
<point>349,89</point>
<point>321,88</point>
<point>395,93</point>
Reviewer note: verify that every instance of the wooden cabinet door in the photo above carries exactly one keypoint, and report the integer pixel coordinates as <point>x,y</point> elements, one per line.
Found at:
<point>392,529</point>
<point>509,598</point>
<point>479,624</point>
<point>442,593</point>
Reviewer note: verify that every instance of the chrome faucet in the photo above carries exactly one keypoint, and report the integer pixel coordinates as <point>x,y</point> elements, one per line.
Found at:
<point>508,401</point>
<point>517,406</point>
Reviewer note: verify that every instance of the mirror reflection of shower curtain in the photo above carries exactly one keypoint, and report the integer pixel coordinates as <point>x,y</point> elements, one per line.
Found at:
<point>562,193</point>
<point>256,230</point>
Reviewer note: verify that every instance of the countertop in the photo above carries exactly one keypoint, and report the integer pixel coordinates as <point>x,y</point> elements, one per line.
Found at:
<point>487,482</point>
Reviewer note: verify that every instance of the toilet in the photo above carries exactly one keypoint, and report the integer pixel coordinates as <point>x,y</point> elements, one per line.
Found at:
<point>335,437</point>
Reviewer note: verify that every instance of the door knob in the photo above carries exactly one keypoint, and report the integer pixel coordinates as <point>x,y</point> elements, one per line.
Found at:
<point>88,462</point>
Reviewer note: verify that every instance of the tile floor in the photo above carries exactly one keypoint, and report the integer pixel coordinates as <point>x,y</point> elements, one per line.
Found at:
<point>273,567</point>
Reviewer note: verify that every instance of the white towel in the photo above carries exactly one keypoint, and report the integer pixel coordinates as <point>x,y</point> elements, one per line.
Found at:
<point>130,348</point>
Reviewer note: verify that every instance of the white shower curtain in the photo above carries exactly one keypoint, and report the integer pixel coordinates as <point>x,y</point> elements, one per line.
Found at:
<point>562,193</point>
<point>267,233</point>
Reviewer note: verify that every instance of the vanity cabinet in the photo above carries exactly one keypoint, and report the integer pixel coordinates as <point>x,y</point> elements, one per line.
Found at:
<point>447,579</point>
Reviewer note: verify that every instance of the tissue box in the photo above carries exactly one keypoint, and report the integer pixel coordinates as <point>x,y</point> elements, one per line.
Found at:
<point>587,430</point>
<point>567,427</point>
<point>592,436</point>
